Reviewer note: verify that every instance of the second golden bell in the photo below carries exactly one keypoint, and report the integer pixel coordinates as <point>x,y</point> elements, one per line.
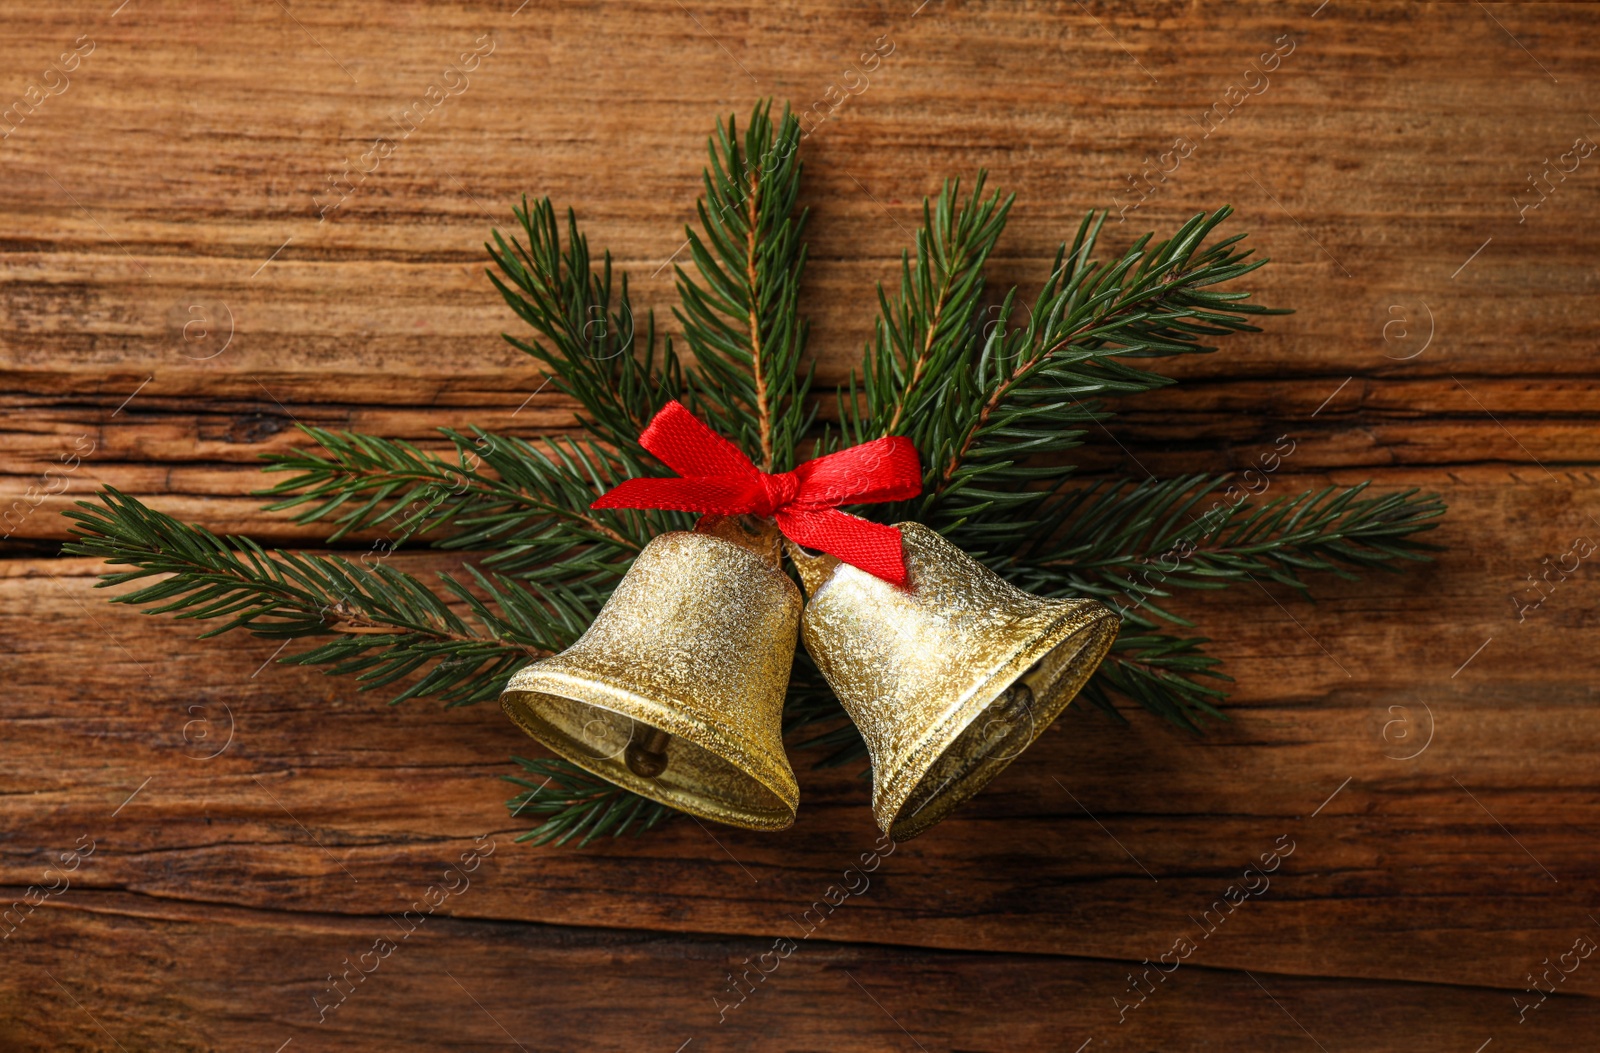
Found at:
<point>949,680</point>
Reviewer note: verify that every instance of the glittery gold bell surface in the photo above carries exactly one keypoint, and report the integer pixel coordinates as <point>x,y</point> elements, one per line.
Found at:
<point>950,680</point>
<point>676,691</point>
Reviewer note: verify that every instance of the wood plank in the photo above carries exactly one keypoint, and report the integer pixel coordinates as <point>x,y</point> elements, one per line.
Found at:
<point>106,252</point>
<point>103,970</point>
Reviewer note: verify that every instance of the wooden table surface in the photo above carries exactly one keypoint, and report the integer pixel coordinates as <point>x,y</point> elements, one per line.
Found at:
<point>175,293</point>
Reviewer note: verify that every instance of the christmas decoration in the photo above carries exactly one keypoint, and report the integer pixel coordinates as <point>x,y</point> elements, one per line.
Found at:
<point>989,395</point>
<point>949,672</point>
<point>676,691</point>
<point>950,680</point>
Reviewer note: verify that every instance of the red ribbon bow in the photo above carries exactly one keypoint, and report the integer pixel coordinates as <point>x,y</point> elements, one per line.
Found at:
<point>716,478</point>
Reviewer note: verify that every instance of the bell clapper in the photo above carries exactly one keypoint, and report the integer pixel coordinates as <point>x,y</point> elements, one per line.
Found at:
<point>1014,703</point>
<point>647,756</point>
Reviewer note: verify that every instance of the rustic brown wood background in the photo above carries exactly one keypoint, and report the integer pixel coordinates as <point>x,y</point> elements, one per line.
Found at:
<point>169,296</point>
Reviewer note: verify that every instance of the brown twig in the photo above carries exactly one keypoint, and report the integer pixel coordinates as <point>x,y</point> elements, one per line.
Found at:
<point>763,415</point>
<point>345,621</point>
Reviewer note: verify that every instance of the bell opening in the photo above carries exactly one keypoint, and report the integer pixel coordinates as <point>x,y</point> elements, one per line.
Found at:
<point>661,763</point>
<point>997,731</point>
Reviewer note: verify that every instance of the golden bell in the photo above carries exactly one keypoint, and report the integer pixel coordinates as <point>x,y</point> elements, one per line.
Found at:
<point>948,680</point>
<point>676,691</point>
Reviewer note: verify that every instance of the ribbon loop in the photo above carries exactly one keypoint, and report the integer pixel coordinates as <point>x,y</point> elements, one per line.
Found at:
<point>715,477</point>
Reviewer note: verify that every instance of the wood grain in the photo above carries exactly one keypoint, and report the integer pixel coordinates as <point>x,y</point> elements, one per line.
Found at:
<point>467,984</point>
<point>170,297</point>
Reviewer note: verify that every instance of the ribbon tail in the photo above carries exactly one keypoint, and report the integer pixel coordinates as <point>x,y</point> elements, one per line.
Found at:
<point>873,547</point>
<point>725,496</point>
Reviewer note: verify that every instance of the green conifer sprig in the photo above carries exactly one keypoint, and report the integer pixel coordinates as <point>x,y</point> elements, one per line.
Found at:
<point>573,803</point>
<point>1132,542</point>
<point>929,328</point>
<point>381,624</point>
<point>993,394</point>
<point>524,503</point>
<point>1169,675</point>
<point>1007,398</point>
<point>741,315</point>
<point>592,350</point>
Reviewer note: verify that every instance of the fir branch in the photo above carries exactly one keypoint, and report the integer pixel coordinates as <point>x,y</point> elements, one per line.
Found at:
<point>1142,540</point>
<point>552,534</point>
<point>1163,674</point>
<point>576,803</point>
<point>1008,394</point>
<point>592,353</point>
<point>1132,545</point>
<point>1033,384</point>
<point>363,482</point>
<point>526,502</point>
<point>929,327</point>
<point>383,625</point>
<point>741,317</point>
